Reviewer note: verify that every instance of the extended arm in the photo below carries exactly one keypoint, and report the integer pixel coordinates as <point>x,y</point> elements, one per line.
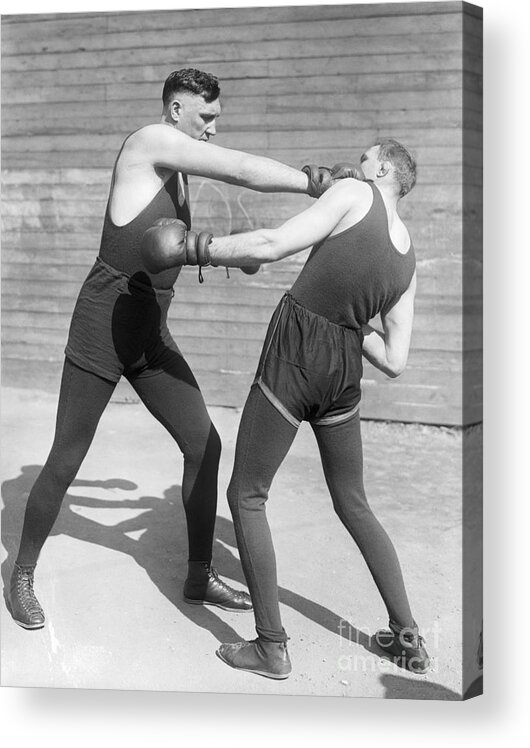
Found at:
<point>168,244</point>
<point>169,148</point>
<point>296,234</point>
<point>389,350</point>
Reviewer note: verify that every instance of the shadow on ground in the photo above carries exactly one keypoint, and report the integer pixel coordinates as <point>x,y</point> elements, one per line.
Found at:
<point>398,687</point>
<point>160,549</point>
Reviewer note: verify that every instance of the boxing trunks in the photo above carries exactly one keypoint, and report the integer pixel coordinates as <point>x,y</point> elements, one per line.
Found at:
<point>310,368</point>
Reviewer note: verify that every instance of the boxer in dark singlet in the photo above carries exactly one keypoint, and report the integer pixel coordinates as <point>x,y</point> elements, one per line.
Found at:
<point>362,264</point>
<point>119,328</point>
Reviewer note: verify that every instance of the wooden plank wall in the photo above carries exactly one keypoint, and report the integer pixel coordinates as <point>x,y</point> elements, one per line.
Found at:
<point>301,84</point>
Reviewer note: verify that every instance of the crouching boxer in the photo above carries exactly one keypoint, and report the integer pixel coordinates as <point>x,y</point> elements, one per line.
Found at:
<point>362,264</point>
<point>119,328</point>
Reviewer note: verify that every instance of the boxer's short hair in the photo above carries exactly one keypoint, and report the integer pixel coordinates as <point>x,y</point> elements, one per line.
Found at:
<point>193,81</point>
<point>402,161</point>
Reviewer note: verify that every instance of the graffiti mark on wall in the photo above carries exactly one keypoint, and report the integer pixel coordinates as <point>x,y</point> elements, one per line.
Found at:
<point>226,211</point>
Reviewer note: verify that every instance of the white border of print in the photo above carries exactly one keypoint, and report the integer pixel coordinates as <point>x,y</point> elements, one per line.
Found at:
<point>85,718</point>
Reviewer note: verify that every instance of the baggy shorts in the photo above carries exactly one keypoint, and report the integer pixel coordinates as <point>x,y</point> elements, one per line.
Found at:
<point>310,369</point>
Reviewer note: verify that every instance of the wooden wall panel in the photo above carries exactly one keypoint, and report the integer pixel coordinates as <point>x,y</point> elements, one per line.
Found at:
<point>300,84</point>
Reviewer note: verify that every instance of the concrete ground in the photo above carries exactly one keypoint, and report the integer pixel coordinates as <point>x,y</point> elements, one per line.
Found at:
<point>110,576</point>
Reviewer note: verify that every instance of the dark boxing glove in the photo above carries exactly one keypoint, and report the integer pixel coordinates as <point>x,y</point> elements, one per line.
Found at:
<point>344,170</point>
<point>319,179</point>
<point>250,269</point>
<point>168,244</point>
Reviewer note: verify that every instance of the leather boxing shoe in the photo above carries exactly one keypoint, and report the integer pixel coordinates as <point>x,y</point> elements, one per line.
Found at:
<point>25,608</point>
<point>405,647</point>
<point>204,587</point>
<point>270,659</point>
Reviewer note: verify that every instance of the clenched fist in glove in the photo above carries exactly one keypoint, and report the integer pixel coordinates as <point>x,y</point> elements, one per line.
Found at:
<point>344,170</point>
<point>168,244</point>
<point>319,179</point>
<point>322,177</point>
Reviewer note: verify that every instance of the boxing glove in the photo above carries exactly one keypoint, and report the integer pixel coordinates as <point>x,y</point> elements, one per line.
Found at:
<point>319,179</point>
<point>344,170</point>
<point>250,269</point>
<point>168,244</point>
<point>247,269</point>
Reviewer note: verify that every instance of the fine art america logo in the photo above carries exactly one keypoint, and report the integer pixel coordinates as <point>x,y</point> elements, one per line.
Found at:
<point>375,659</point>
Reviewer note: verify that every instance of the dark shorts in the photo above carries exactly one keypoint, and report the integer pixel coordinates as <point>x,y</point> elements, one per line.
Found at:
<point>119,325</point>
<point>310,368</point>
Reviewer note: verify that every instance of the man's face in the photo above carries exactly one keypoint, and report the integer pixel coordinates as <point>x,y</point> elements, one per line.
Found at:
<point>370,163</point>
<point>195,117</point>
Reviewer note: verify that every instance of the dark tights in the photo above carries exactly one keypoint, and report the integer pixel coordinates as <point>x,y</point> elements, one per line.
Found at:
<point>176,401</point>
<point>263,441</point>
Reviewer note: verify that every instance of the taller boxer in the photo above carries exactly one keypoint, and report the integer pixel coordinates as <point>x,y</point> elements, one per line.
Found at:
<point>119,329</point>
<point>362,264</point>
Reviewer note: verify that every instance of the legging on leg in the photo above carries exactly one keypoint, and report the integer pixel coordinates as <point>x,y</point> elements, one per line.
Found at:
<point>341,451</point>
<point>82,399</point>
<point>263,440</point>
<point>175,400</point>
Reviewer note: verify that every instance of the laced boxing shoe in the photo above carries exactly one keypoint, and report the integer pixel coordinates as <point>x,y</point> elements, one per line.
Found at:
<point>25,608</point>
<point>405,647</point>
<point>270,659</point>
<point>203,586</point>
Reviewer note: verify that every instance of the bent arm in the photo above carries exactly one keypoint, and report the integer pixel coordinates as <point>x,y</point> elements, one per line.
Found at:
<point>389,350</point>
<point>167,147</point>
<point>296,234</point>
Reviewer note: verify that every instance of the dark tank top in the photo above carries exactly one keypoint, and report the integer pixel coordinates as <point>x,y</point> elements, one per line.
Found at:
<point>352,276</point>
<point>120,245</point>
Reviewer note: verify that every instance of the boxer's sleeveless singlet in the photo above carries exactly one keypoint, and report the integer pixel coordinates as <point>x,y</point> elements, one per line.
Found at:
<point>120,245</point>
<point>311,363</point>
<point>119,324</point>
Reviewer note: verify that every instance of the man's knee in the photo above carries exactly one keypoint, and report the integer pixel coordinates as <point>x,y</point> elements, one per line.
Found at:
<point>246,494</point>
<point>205,445</point>
<point>62,468</point>
<point>232,495</point>
<point>214,444</point>
<point>351,507</point>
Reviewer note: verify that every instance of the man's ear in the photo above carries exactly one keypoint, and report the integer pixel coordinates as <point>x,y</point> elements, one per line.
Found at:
<point>384,168</point>
<point>174,110</point>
